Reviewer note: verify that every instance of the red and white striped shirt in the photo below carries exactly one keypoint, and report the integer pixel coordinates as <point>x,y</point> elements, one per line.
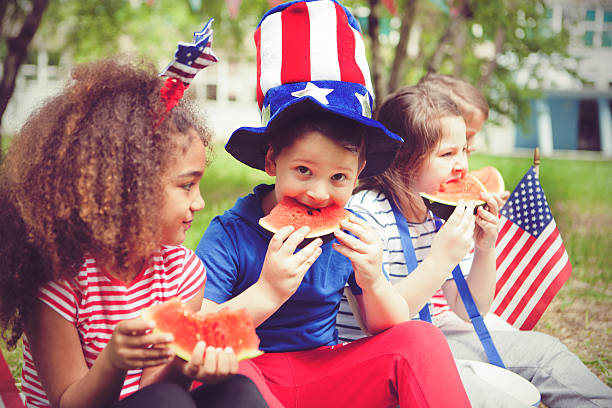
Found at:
<point>95,302</point>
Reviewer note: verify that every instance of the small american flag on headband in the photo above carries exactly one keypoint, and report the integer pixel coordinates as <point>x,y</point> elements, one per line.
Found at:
<point>190,58</point>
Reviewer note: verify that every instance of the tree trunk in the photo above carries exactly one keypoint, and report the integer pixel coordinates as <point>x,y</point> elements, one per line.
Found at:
<point>500,37</point>
<point>377,62</point>
<point>17,50</point>
<point>459,46</point>
<point>433,65</point>
<point>397,69</point>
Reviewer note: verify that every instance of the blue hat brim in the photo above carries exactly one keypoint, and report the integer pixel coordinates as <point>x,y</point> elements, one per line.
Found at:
<point>250,144</point>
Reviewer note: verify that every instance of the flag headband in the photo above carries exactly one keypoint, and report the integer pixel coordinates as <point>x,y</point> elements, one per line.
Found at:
<point>189,59</point>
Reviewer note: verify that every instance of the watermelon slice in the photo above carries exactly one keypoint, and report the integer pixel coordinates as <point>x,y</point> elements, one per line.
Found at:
<point>491,178</point>
<point>233,328</point>
<point>322,221</point>
<point>443,202</point>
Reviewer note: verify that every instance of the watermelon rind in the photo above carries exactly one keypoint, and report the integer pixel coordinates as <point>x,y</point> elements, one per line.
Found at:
<point>490,177</point>
<point>314,233</point>
<point>243,355</point>
<point>311,235</point>
<point>444,208</point>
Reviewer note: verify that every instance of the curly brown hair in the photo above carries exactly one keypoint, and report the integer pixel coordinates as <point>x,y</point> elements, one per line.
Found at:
<point>84,177</point>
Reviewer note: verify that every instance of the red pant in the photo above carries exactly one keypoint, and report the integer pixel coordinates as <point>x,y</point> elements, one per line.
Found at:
<point>409,364</point>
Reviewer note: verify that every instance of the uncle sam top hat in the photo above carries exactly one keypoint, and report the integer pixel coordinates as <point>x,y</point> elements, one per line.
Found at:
<point>311,57</point>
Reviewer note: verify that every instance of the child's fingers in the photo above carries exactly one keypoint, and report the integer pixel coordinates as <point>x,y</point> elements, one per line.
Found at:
<point>134,327</point>
<point>151,339</point>
<point>226,362</point>
<point>281,235</point>
<point>486,216</point>
<point>209,367</point>
<point>146,357</point>
<point>492,204</point>
<point>351,242</point>
<point>291,243</point>
<point>457,214</point>
<point>313,248</point>
<point>306,259</point>
<point>359,228</point>
<point>192,367</point>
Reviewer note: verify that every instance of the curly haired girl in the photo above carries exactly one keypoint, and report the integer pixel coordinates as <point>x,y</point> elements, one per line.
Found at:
<point>96,194</point>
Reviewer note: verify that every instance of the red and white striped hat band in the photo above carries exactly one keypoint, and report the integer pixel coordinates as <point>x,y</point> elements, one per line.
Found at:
<point>306,41</point>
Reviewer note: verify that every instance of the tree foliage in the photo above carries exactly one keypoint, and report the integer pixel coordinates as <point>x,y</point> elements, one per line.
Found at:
<point>450,34</point>
<point>518,34</point>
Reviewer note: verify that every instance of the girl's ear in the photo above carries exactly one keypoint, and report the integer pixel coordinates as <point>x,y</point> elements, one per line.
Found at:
<point>360,170</point>
<point>270,163</point>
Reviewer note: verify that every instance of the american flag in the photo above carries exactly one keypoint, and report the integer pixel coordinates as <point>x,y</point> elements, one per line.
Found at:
<point>532,263</point>
<point>190,58</point>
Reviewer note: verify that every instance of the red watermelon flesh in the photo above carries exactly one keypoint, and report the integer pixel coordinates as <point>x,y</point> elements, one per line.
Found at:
<point>466,188</point>
<point>226,328</point>
<point>491,178</point>
<point>443,202</point>
<point>288,211</point>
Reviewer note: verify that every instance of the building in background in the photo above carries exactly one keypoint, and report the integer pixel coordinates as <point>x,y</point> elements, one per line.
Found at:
<point>571,117</point>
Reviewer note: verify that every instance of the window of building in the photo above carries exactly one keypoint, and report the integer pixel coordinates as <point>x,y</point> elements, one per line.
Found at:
<point>590,15</point>
<point>588,38</point>
<point>211,92</point>
<point>607,16</point>
<point>606,39</point>
<point>588,126</point>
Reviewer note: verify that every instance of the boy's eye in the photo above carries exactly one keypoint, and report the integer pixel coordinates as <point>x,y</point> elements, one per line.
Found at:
<point>187,186</point>
<point>339,177</point>
<point>303,170</point>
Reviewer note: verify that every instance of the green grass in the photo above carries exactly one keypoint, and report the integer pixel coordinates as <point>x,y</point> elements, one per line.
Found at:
<point>13,359</point>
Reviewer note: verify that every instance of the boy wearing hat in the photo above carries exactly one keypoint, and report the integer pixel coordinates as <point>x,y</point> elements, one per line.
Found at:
<point>317,139</point>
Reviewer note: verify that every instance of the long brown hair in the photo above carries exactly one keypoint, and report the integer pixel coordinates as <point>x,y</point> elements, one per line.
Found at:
<point>84,178</point>
<point>465,95</point>
<point>413,113</point>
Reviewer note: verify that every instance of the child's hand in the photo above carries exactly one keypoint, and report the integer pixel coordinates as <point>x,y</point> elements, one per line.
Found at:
<point>365,251</point>
<point>134,346</point>
<point>501,198</point>
<point>283,268</point>
<point>210,365</point>
<point>456,236</point>
<point>487,223</point>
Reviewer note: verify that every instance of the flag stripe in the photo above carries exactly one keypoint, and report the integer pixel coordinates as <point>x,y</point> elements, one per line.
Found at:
<point>323,42</point>
<point>531,276</point>
<point>539,286</point>
<point>260,94</point>
<point>517,248</point>
<point>529,318</point>
<point>271,62</point>
<point>295,45</point>
<point>349,70</point>
<point>502,238</point>
<point>520,269</point>
<point>362,62</point>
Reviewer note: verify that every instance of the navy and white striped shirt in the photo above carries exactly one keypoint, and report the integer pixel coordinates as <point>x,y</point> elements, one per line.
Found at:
<point>376,209</point>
